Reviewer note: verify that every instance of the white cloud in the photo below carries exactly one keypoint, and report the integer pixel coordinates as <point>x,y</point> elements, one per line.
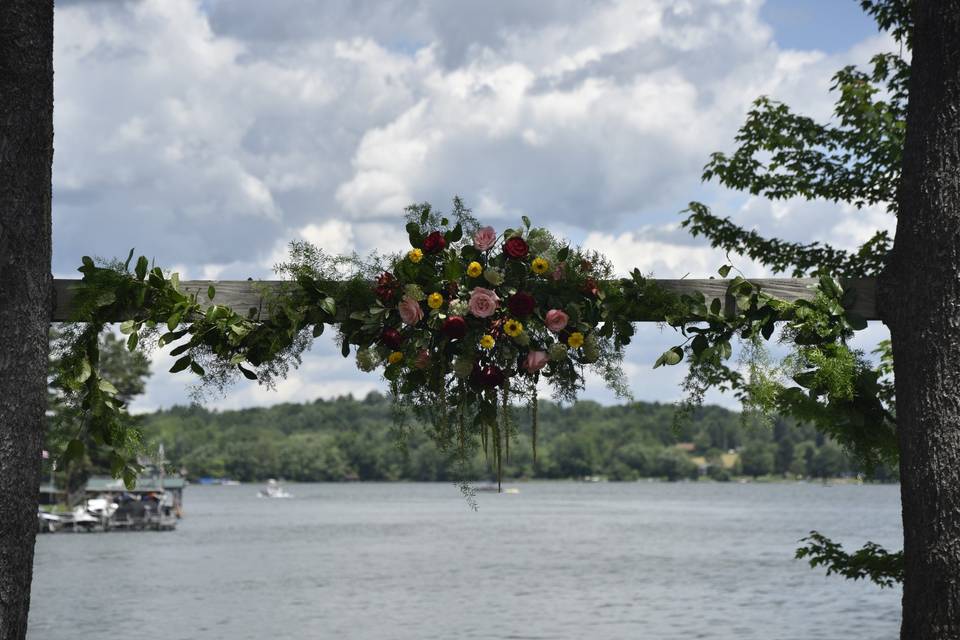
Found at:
<point>656,251</point>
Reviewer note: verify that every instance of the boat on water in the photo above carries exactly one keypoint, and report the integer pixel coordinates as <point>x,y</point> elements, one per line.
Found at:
<point>274,490</point>
<point>493,488</point>
<point>48,522</point>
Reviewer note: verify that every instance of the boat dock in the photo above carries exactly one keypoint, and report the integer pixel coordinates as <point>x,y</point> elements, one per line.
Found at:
<point>155,504</point>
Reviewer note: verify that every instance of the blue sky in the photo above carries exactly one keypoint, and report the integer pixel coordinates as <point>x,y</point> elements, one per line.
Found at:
<point>829,25</point>
<point>207,135</point>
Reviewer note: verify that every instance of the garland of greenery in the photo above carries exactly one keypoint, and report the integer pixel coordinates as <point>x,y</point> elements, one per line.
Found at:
<point>468,321</point>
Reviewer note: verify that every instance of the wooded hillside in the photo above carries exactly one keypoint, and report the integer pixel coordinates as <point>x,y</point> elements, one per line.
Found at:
<point>346,438</point>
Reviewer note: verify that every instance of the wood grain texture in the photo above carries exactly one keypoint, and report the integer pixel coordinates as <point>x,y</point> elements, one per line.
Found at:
<point>242,295</point>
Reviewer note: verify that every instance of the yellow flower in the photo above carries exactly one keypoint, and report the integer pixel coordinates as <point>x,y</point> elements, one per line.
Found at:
<point>575,340</point>
<point>513,328</point>
<point>415,255</point>
<point>474,269</point>
<point>435,301</point>
<point>540,266</point>
<point>487,341</point>
<point>396,357</point>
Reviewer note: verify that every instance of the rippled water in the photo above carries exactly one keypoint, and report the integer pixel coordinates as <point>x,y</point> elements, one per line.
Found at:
<point>559,560</point>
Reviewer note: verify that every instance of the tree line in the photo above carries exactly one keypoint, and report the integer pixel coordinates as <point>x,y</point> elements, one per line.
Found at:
<point>355,439</point>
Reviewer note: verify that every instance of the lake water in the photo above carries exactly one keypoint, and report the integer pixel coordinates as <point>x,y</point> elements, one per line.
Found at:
<point>399,561</point>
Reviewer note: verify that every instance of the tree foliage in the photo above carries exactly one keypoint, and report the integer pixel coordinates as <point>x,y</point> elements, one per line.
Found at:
<point>127,372</point>
<point>872,561</point>
<point>854,158</point>
<point>350,439</point>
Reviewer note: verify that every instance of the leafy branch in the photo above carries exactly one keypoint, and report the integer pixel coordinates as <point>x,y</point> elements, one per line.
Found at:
<point>871,562</point>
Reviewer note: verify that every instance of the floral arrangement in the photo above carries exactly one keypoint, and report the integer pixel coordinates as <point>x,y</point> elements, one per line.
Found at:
<point>472,318</point>
<point>463,324</point>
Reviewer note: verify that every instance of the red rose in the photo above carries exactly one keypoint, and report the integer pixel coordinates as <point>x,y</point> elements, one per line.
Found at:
<point>387,288</point>
<point>590,287</point>
<point>454,327</point>
<point>392,338</point>
<point>521,304</point>
<point>488,376</point>
<point>434,243</point>
<point>516,247</point>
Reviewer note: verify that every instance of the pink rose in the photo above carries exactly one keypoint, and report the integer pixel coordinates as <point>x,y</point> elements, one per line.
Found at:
<point>556,320</point>
<point>535,361</point>
<point>410,311</point>
<point>484,238</point>
<point>423,359</point>
<point>483,302</point>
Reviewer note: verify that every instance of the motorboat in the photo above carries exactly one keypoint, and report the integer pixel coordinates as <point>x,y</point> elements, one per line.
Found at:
<point>274,490</point>
<point>48,522</point>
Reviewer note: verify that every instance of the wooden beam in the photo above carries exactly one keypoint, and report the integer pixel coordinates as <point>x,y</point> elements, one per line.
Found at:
<point>242,295</point>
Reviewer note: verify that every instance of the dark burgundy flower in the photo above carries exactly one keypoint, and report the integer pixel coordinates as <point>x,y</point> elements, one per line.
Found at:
<point>434,243</point>
<point>516,247</point>
<point>387,288</point>
<point>521,304</point>
<point>452,289</point>
<point>590,288</point>
<point>489,376</point>
<point>392,338</point>
<point>454,327</point>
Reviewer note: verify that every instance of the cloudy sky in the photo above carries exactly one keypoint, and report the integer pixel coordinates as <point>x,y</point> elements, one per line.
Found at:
<point>209,133</point>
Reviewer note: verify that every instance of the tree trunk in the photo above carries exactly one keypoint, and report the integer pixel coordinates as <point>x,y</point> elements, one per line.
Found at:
<point>920,291</point>
<point>26,158</point>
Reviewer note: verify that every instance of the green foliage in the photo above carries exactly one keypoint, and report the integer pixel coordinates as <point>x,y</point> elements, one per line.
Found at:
<point>344,438</point>
<point>822,380</point>
<point>757,460</point>
<point>854,158</point>
<point>871,561</point>
<point>799,259</point>
<point>127,372</point>
<point>214,343</point>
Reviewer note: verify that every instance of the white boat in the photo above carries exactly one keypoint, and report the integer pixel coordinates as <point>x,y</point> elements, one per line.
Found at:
<point>274,490</point>
<point>48,522</point>
<point>102,507</point>
<point>492,488</point>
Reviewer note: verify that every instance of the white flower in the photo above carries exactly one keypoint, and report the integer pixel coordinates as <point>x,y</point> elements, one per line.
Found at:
<point>458,308</point>
<point>493,276</point>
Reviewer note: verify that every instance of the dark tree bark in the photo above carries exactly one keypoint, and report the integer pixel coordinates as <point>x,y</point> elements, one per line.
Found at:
<point>26,158</point>
<point>920,290</point>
